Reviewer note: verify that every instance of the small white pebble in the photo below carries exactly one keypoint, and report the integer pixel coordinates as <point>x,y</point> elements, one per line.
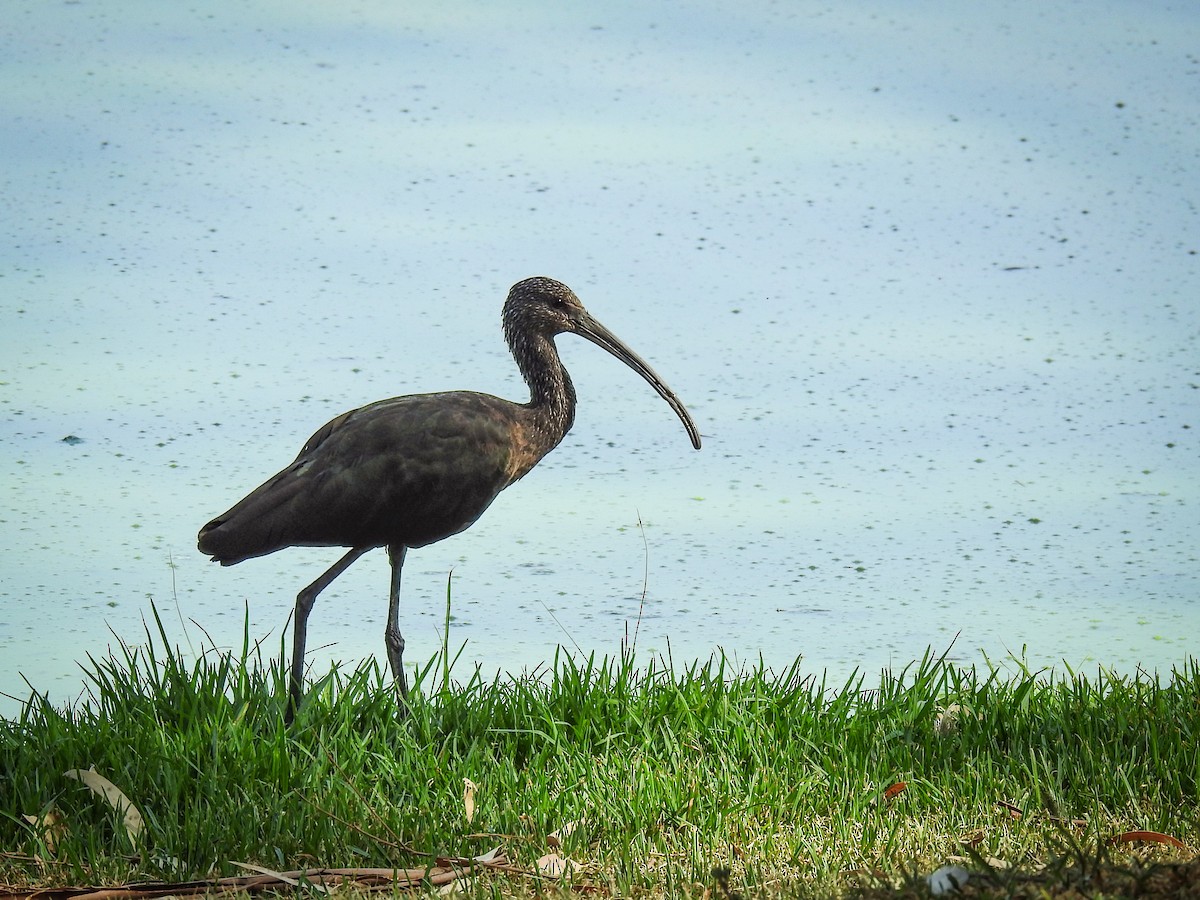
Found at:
<point>947,879</point>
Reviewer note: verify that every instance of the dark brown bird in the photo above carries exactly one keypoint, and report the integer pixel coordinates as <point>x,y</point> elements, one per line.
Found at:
<point>412,470</point>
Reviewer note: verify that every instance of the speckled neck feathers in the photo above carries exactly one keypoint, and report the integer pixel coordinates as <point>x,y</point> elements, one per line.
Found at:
<point>551,406</point>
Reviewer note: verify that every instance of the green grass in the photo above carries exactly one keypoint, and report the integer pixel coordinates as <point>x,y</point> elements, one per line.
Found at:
<point>668,774</point>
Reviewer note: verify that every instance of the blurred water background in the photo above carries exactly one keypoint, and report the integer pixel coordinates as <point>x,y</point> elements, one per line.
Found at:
<point>925,275</point>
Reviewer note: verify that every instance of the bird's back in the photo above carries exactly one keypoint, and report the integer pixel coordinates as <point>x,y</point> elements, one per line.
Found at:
<point>409,470</point>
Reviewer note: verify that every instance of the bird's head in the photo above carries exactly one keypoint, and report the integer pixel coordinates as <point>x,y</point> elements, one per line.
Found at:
<point>539,308</point>
<point>542,306</point>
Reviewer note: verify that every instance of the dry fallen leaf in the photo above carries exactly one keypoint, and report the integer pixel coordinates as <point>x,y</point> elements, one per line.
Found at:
<point>281,877</point>
<point>458,886</point>
<point>469,788</point>
<point>949,719</point>
<point>50,827</point>
<point>492,857</point>
<point>553,866</point>
<point>1152,837</point>
<point>114,797</point>
<point>554,839</point>
<point>1013,809</point>
<point>972,838</point>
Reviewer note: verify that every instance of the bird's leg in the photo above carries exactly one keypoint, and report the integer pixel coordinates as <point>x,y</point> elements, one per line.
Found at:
<point>392,637</point>
<point>304,604</point>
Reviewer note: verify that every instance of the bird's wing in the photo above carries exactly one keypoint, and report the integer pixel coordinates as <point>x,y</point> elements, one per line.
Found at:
<point>408,470</point>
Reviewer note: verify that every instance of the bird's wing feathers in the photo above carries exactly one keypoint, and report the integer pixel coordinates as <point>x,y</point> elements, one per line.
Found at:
<point>408,470</point>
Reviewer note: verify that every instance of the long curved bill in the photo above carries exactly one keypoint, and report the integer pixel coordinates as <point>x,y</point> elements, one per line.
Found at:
<point>588,327</point>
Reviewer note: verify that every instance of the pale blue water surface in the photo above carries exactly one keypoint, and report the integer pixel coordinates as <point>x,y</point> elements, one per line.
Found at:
<point>925,274</point>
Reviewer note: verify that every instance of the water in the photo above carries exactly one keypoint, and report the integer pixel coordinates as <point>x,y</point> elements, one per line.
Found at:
<point>925,278</point>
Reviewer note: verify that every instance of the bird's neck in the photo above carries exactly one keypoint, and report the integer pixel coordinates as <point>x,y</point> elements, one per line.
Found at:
<point>551,403</point>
